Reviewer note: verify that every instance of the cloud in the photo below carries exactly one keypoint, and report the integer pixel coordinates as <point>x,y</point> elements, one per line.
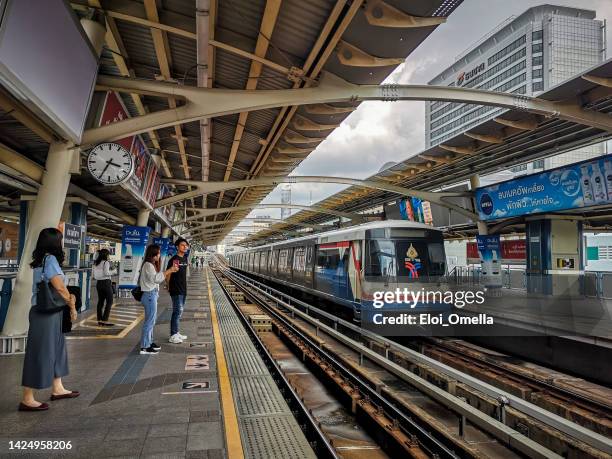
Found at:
<point>379,132</point>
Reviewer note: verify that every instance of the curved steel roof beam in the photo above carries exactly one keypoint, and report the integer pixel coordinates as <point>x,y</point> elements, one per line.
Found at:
<point>213,187</point>
<point>213,102</point>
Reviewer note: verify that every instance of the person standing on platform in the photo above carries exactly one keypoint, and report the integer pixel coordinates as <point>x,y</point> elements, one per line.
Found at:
<point>102,273</point>
<point>150,278</point>
<point>177,287</point>
<point>46,359</point>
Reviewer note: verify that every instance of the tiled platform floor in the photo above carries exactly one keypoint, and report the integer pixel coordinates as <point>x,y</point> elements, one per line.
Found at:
<point>166,405</point>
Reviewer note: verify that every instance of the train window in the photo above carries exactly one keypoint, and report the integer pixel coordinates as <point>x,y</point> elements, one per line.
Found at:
<point>282,261</point>
<point>328,258</point>
<point>404,260</point>
<point>263,262</point>
<point>256,261</point>
<point>299,259</point>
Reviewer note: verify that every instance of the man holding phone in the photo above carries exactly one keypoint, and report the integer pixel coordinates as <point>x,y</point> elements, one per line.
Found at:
<point>177,287</point>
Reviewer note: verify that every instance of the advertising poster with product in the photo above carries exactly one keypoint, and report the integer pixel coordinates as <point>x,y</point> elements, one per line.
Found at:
<point>489,249</point>
<point>134,241</point>
<point>137,180</point>
<point>164,244</point>
<point>512,252</point>
<point>9,240</point>
<point>575,186</point>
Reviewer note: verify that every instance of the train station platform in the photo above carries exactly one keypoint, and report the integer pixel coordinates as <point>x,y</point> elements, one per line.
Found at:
<point>210,397</point>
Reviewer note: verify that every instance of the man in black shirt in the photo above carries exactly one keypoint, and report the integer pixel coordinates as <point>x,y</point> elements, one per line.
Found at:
<point>177,286</point>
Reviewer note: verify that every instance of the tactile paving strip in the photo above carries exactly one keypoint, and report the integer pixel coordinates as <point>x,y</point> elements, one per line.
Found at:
<point>245,364</point>
<point>268,429</point>
<point>258,396</point>
<point>273,437</point>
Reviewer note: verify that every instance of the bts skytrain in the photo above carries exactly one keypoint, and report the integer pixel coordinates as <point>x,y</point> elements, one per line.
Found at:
<point>351,265</point>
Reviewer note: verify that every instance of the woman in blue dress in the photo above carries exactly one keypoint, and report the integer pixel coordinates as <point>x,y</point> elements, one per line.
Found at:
<point>46,360</point>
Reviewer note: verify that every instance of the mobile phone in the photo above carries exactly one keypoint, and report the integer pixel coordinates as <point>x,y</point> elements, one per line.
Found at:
<point>176,263</point>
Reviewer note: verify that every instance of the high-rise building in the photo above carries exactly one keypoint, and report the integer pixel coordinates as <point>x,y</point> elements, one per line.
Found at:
<point>285,199</point>
<point>528,54</point>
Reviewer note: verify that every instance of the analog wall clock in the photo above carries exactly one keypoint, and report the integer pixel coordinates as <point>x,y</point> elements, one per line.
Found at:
<point>110,163</point>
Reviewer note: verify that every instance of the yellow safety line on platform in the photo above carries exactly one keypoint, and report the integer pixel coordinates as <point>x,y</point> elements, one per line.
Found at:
<point>230,419</point>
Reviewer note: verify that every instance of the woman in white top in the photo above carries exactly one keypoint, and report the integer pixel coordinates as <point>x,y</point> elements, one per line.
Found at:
<point>150,278</point>
<point>102,273</point>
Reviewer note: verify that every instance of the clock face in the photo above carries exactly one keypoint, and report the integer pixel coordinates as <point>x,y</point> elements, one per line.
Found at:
<point>110,163</point>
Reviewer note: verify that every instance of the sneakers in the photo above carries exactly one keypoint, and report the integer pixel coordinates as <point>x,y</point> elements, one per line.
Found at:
<point>156,347</point>
<point>175,339</point>
<point>148,350</point>
<point>183,337</point>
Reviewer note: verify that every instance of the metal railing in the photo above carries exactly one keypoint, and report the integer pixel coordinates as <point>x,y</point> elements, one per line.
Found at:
<point>595,284</point>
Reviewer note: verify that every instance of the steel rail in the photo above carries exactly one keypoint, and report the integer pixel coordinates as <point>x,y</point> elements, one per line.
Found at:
<point>563,425</point>
<point>436,447</point>
<point>497,429</point>
<point>323,446</point>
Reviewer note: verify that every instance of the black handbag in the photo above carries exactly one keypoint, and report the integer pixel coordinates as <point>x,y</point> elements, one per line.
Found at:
<point>137,291</point>
<point>48,300</point>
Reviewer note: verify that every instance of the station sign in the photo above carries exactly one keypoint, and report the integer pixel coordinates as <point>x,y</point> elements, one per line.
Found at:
<point>575,186</point>
<point>73,236</point>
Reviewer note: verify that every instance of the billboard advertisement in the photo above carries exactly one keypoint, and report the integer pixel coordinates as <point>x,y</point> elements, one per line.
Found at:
<point>489,249</point>
<point>575,186</point>
<point>411,209</point>
<point>144,182</point>
<point>134,241</point>
<point>164,244</point>
<point>512,252</point>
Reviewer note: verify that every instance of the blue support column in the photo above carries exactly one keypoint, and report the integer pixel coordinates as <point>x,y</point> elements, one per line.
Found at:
<point>76,214</point>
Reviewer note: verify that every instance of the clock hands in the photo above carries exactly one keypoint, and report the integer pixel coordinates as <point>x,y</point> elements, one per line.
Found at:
<point>108,163</point>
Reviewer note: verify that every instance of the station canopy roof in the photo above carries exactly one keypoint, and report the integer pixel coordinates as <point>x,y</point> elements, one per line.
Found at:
<point>233,44</point>
<point>484,148</point>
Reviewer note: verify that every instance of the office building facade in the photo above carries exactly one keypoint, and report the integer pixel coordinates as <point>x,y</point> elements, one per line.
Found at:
<point>527,54</point>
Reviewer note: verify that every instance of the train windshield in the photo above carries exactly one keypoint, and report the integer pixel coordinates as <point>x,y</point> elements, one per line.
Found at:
<point>404,260</point>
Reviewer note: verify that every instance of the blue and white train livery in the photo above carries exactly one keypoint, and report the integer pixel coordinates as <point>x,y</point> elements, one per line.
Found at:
<point>350,265</point>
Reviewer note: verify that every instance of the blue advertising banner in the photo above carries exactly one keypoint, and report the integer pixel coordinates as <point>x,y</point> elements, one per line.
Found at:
<point>164,244</point>
<point>134,241</point>
<point>584,184</point>
<point>489,249</point>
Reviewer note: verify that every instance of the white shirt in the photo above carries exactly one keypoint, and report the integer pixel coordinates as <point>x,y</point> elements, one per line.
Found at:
<point>150,278</point>
<point>103,271</point>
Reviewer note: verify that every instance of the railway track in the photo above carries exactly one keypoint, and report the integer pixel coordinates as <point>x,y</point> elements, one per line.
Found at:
<point>404,418</point>
<point>499,406</point>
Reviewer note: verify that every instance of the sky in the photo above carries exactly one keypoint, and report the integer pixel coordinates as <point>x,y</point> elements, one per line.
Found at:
<point>380,132</point>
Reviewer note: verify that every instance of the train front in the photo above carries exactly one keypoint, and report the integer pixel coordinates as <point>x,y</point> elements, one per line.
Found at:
<point>403,283</point>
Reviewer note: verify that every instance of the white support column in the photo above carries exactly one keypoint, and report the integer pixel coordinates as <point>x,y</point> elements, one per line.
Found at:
<point>48,207</point>
<point>143,217</point>
<point>482,226</point>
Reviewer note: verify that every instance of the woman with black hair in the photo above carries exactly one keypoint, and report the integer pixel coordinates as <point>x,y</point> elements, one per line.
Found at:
<point>102,273</point>
<point>46,360</point>
<point>150,278</point>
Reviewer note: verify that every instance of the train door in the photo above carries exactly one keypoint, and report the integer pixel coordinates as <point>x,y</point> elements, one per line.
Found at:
<point>354,270</point>
<point>309,266</point>
<point>331,271</point>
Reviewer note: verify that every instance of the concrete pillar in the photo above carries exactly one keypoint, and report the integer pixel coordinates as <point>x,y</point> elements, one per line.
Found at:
<point>143,217</point>
<point>482,226</point>
<point>46,213</point>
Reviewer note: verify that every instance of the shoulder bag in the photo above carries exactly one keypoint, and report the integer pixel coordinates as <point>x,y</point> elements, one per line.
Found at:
<point>137,291</point>
<point>48,300</point>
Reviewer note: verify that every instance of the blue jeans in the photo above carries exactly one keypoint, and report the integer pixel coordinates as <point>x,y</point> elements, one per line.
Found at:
<point>178,302</point>
<point>149,301</point>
